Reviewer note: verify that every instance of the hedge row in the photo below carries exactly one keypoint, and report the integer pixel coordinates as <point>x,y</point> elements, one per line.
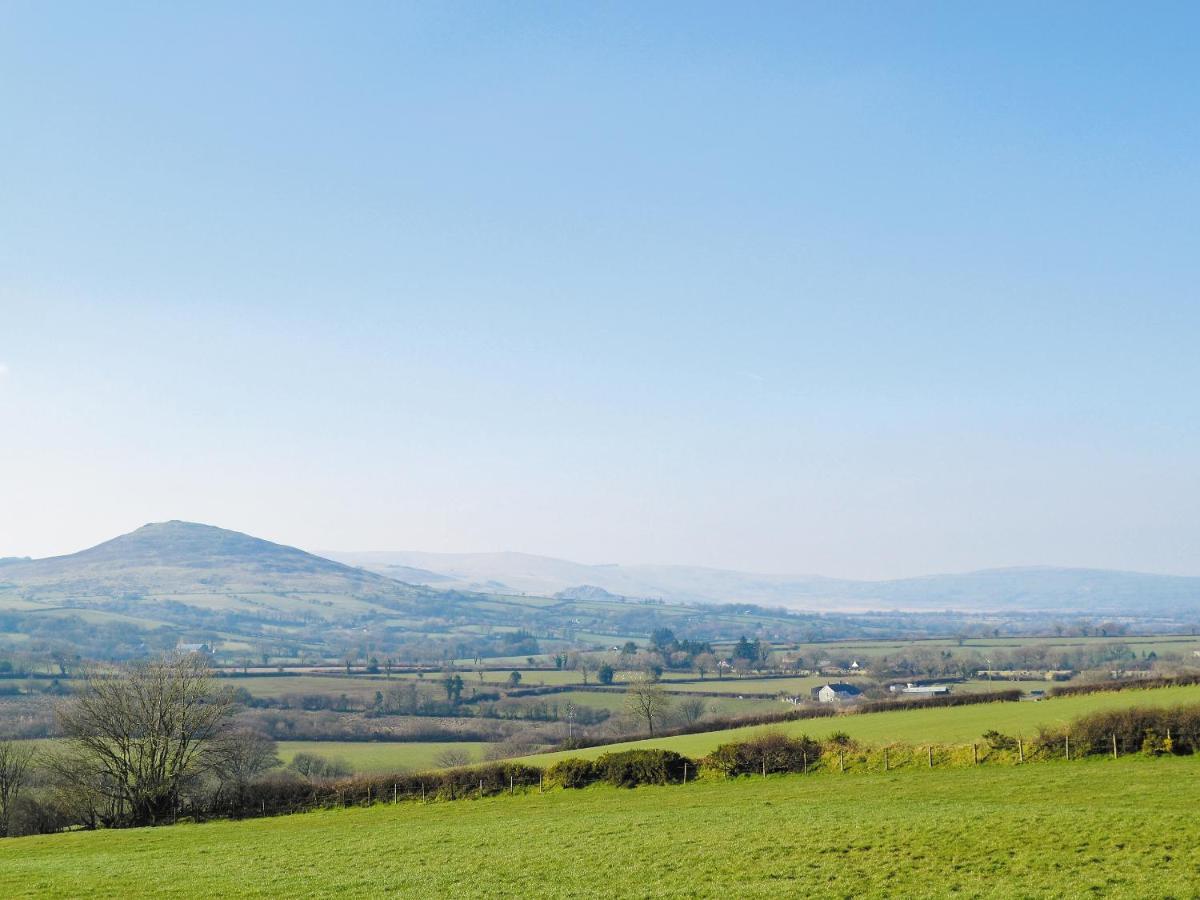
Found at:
<point>827,710</point>
<point>1125,684</point>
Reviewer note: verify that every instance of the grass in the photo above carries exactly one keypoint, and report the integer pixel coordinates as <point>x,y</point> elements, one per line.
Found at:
<point>372,758</point>
<point>734,686</point>
<point>948,725</point>
<point>1084,829</point>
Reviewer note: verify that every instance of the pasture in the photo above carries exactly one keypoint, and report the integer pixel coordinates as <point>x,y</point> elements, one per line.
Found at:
<point>942,725</point>
<point>1082,829</point>
<point>378,757</point>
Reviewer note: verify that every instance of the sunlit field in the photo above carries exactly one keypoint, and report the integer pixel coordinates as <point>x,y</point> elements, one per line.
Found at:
<point>1120,829</point>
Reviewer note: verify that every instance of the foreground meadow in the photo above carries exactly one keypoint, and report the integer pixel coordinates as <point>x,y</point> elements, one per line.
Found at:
<point>1094,828</point>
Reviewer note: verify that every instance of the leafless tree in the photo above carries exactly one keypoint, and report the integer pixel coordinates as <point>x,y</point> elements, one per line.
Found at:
<point>693,709</point>
<point>242,755</point>
<point>646,700</point>
<point>139,733</point>
<point>15,760</point>
<point>453,758</point>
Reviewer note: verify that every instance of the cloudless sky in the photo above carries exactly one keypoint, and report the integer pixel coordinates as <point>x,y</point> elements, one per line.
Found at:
<point>857,289</point>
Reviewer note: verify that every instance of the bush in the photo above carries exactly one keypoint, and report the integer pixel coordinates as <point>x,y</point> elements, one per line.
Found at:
<point>573,773</point>
<point>998,741</point>
<point>314,766</point>
<point>770,752</point>
<point>630,768</point>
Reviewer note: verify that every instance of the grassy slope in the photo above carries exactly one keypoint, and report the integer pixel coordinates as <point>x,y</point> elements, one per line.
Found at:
<point>1124,829</point>
<point>961,724</point>
<point>372,758</point>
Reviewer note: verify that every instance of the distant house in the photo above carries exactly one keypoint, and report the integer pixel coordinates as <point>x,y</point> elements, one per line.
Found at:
<point>202,649</point>
<point>836,692</point>
<point>924,690</point>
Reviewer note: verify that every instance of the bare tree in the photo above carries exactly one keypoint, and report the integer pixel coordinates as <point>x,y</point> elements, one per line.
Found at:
<point>452,758</point>
<point>693,709</point>
<point>243,755</point>
<point>646,700</point>
<point>138,734</point>
<point>15,760</point>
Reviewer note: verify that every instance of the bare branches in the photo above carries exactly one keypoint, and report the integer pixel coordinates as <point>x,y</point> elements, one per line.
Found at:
<point>135,735</point>
<point>646,700</point>
<point>15,760</point>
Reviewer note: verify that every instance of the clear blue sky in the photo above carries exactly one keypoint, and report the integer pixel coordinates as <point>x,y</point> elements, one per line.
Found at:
<point>858,289</point>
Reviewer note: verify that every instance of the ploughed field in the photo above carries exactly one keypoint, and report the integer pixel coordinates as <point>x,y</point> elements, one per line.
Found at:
<point>1123,828</point>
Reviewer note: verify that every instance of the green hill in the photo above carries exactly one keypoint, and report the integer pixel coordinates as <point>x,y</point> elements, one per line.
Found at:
<point>1080,829</point>
<point>169,558</point>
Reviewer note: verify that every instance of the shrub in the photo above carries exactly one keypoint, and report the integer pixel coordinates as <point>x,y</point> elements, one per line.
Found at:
<point>314,766</point>
<point>629,768</point>
<point>573,773</point>
<point>998,741</point>
<point>770,752</point>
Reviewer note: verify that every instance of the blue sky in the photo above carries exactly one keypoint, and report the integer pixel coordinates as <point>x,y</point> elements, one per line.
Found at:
<point>857,289</point>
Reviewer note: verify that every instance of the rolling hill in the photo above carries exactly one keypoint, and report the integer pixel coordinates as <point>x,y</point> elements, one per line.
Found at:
<point>1028,589</point>
<point>185,559</point>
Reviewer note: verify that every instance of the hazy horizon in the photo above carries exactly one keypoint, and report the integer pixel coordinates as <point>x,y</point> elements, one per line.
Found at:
<point>864,292</point>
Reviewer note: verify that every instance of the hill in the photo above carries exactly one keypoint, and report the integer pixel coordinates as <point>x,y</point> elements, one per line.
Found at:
<point>1030,589</point>
<point>185,558</point>
<point>1097,828</point>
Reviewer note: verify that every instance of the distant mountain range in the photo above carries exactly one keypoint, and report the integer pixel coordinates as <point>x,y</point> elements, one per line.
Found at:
<point>1058,590</point>
<point>197,564</point>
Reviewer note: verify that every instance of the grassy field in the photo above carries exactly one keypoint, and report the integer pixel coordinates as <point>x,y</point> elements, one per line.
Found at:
<point>1083,829</point>
<point>734,686</point>
<point>961,724</point>
<point>614,701</point>
<point>379,757</point>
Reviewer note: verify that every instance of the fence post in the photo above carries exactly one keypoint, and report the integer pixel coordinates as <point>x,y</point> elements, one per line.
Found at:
<point>975,753</point>
<point>1068,745</point>
<point>368,795</point>
<point>842,760</point>
<point>764,765</point>
<point>885,759</point>
<point>1114,746</point>
<point>510,785</point>
<point>1020,750</point>
<point>685,773</point>
<point>804,757</point>
<point>422,791</point>
<point>929,749</point>
<point>480,788</point>
<point>395,793</point>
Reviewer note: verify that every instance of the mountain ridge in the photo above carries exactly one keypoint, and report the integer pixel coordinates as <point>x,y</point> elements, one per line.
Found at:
<point>1035,588</point>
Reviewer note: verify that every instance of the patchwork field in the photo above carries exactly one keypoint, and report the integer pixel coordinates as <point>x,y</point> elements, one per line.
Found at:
<point>377,757</point>
<point>949,725</point>
<point>1082,829</point>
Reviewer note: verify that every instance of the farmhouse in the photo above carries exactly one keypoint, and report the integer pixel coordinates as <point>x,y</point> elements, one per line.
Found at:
<point>202,649</point>
<point>924,690</point>
<point>836,692</point>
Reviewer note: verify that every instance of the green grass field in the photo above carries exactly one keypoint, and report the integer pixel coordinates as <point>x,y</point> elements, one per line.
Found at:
<point>1096,828</point>
<point>378,757</point>
<point>948,725</point>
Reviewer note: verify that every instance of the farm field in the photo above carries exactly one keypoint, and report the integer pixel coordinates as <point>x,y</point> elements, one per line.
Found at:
<point>1120,829</point>
<point>863,650</point>
<point>947,725</point>
<point>734,686</point>
<point>614,701</point>
<point>378,757</point>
